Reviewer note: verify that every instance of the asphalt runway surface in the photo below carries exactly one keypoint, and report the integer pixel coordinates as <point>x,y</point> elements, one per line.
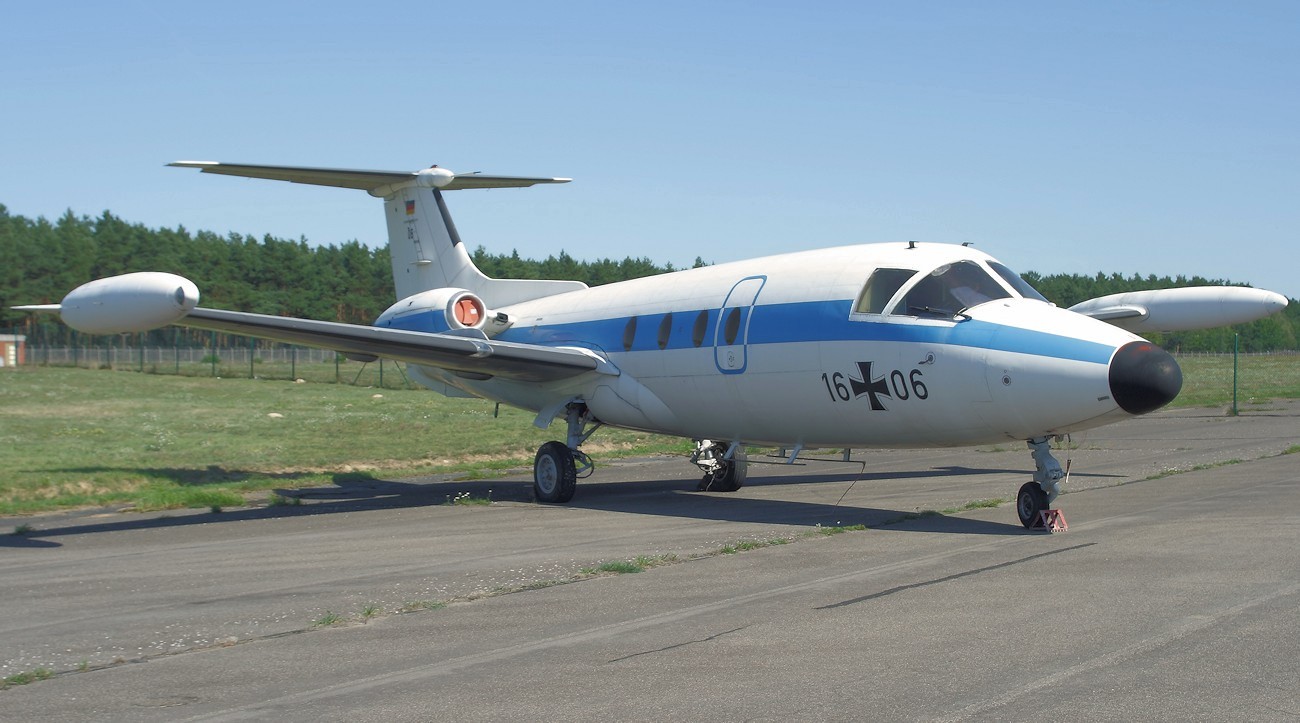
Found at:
<point>1174,594</point>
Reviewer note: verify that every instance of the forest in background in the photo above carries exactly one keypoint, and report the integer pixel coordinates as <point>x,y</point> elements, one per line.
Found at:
<point>40,261</point>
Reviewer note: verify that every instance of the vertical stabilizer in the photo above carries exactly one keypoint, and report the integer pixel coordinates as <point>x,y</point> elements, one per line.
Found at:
<point>427,252</point>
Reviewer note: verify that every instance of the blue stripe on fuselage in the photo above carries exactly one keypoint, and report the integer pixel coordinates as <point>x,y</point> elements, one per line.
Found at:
<point>811,321</point>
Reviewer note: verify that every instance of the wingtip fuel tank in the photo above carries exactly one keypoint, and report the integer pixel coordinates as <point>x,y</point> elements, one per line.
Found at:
<point>129,303</point>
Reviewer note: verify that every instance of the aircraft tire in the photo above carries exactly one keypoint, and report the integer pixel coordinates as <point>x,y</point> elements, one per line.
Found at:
<point>730,478</point>
<point>1029,502</point>
<point>555,476</point>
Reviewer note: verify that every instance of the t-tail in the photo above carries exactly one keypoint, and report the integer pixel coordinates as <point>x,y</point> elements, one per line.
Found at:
<point>426,250</point>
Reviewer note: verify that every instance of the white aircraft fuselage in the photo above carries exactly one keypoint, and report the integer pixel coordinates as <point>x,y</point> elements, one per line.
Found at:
<point>800,367</point>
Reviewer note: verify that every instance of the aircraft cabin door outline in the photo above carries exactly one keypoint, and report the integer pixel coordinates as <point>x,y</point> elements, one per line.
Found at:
<point>731,333</point>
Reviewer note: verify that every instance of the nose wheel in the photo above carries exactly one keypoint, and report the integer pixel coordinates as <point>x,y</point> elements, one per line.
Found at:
<point>1030,502</point>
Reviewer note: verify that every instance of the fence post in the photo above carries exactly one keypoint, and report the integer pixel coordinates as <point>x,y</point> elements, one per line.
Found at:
<point>1235,337</point>
<point>293,363</point>
<point>213,353</point>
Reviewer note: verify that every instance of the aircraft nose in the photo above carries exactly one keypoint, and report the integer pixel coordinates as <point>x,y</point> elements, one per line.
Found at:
<point>1143,377</point>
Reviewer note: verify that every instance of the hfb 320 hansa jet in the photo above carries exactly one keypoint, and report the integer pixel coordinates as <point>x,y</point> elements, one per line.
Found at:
<point>880,345</point>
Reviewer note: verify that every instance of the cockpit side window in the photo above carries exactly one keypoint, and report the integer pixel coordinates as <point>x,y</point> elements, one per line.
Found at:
<point>881,287</point>
<point>1017,283</point>
<point>951,289</point>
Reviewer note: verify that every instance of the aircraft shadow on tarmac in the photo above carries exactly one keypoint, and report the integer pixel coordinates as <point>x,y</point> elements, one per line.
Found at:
<point>666,498</point>
<point>673,497</point>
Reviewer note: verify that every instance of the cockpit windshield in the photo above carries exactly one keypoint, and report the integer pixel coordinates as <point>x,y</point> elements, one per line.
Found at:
<point>951,289</point>
<point>1017,283</point>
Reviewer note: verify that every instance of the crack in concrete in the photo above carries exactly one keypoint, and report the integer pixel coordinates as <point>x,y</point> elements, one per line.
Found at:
<point>967,573</point>
<point>680,645</point>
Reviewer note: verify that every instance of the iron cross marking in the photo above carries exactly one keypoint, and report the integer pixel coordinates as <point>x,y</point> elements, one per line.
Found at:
<point>873,388</point>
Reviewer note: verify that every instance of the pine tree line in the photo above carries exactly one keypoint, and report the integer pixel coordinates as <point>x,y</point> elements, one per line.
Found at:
<point>41,261</point>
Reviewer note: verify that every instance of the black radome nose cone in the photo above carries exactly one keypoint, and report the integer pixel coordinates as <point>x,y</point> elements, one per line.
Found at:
<point>1143,377</point>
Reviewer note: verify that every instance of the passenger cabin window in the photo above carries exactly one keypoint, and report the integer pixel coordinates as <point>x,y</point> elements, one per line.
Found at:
<point>881,287</point>
<point>950,290</point>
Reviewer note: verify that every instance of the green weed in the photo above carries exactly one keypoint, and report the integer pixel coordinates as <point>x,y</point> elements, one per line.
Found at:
<point>837,530</point>
<point>326,620</point>
<point>621,567</point>
<point>413,605</point>
<point>26,677</point>
<point>1195,468</point>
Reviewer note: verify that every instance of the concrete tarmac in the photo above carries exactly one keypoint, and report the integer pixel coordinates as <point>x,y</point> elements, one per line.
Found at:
<point>1174,594</point>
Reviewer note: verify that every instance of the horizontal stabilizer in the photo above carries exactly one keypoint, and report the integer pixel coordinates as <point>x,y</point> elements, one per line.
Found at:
<point>376,183</point>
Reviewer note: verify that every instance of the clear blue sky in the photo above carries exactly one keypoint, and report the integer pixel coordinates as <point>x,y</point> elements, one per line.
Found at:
<point>1151,137</point>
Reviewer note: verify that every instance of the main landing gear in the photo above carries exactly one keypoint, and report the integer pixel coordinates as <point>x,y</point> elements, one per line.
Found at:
<point>559,465</point>
<point>1037,496</point>
<point>724,466</point>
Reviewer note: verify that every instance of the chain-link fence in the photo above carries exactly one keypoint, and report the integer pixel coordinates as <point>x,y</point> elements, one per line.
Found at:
<point>257,360</point>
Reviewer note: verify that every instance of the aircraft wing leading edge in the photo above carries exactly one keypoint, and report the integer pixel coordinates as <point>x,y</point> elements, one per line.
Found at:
<point>522,362</point>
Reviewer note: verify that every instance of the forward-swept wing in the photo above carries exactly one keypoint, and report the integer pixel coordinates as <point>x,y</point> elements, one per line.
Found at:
<point>146,300</point>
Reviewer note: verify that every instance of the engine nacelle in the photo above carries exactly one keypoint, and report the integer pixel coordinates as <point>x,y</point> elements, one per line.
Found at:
<point>454,309</point>
<point>129,303</point>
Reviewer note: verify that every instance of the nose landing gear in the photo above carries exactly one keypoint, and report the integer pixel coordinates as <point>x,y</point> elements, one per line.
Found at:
<point>1036,497</point>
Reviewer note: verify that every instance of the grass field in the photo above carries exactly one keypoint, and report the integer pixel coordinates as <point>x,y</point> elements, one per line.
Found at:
<point>72,437</point>
<point>1207,380</point>
<point>76,437</point>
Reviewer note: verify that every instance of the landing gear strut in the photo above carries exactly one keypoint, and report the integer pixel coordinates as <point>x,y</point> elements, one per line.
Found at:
<point>559,465</point>
<point>724,466</point>
<point>1036,496</point>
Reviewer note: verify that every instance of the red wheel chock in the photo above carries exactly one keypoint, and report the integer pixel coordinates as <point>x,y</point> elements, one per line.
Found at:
<point>1052,521</point>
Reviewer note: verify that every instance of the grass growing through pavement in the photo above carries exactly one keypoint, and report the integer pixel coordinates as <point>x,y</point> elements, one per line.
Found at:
<point>75,437</point>
<point>27,677</point>
<point>326,620</point>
